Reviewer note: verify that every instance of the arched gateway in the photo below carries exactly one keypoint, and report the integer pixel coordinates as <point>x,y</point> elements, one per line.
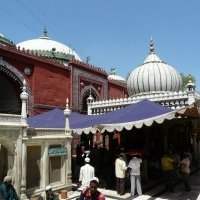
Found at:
<point>10,88</point>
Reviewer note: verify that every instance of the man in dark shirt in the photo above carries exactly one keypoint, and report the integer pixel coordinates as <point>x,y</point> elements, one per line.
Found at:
<point>91,193</point>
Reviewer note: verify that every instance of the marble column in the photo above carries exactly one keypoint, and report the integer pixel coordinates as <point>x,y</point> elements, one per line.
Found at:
<point>17,173</point>
<point>45,169</point>
<point>68,171</point>
<point>24,166</point>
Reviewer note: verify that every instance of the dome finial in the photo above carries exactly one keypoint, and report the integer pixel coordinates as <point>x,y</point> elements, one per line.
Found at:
<point>151,46</point>
<point>113,71</point>
<point>45,32</point>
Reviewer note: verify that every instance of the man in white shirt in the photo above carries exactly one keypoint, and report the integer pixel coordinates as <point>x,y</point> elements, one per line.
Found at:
<point>120,173</point>
<point>134,166</point>
<point>86,174</point>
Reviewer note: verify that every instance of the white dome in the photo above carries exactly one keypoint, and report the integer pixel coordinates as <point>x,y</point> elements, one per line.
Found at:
<point>116,77</point>
<point>154,75</point>
<point>44,43</point>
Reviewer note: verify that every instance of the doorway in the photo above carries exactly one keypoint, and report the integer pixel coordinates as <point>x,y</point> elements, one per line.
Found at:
<point>3,162</point>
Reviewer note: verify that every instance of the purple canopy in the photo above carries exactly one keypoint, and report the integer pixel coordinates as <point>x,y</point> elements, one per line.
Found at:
<point>56,119</point>
<point>143,112</point>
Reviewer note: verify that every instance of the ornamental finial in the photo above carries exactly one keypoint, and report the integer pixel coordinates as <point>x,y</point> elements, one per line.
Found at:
<point>67,104</point>
<point>113,71</point>
<point>24,94</point>
<point>45,32</point>
<point>24,86</point>
<point>67,111</point>
<point>151,46</point>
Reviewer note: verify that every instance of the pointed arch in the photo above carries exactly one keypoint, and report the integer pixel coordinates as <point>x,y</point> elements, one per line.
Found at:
<point>85,94</point>
<point>11,82</point>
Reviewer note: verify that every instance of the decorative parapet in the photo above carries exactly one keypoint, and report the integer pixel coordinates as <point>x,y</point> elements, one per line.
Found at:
<point>89,66</point>
<point>61,59</point>
<point>11,120</point>
<point>174,100</point>
<point>34,55</point>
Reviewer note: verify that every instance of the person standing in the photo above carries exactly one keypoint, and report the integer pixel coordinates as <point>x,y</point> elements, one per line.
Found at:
<point>92,193</point>
<point>86,173</point>
<point>7,191</point>
<point>185,171</point>
<point>168,168</point>
<point>134,168</point>
<point>120,173</point>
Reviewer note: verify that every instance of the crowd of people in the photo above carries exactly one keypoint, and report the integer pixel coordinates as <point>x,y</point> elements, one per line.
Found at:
<point>174,168</point>
<point>95,166</point>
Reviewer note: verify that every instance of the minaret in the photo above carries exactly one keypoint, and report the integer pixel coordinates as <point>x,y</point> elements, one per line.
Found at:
<point>24,98</point>
<point>67,112</point>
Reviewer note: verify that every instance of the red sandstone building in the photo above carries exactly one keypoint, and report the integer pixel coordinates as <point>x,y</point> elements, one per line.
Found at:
<point>54,72</point>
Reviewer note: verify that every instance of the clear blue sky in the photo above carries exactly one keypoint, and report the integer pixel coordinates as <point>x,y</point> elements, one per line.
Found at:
<point>114,33</point>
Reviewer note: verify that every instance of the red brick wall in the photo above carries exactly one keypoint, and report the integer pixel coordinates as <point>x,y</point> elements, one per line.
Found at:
<point>51,86</point>
<point>116,91</point>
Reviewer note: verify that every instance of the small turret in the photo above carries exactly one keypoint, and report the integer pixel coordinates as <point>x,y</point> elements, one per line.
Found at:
<point>67,112</point>
<point>24,98</point>
<point>190,88</point>
<point>190,85</point>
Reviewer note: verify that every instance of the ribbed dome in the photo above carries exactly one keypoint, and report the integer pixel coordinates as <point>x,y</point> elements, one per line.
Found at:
<point>44,43</point>
<point>154,75</point>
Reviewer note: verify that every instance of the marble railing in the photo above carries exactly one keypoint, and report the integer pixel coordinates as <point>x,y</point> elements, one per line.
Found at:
<point>173,100</point>
<point>10,119</point>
